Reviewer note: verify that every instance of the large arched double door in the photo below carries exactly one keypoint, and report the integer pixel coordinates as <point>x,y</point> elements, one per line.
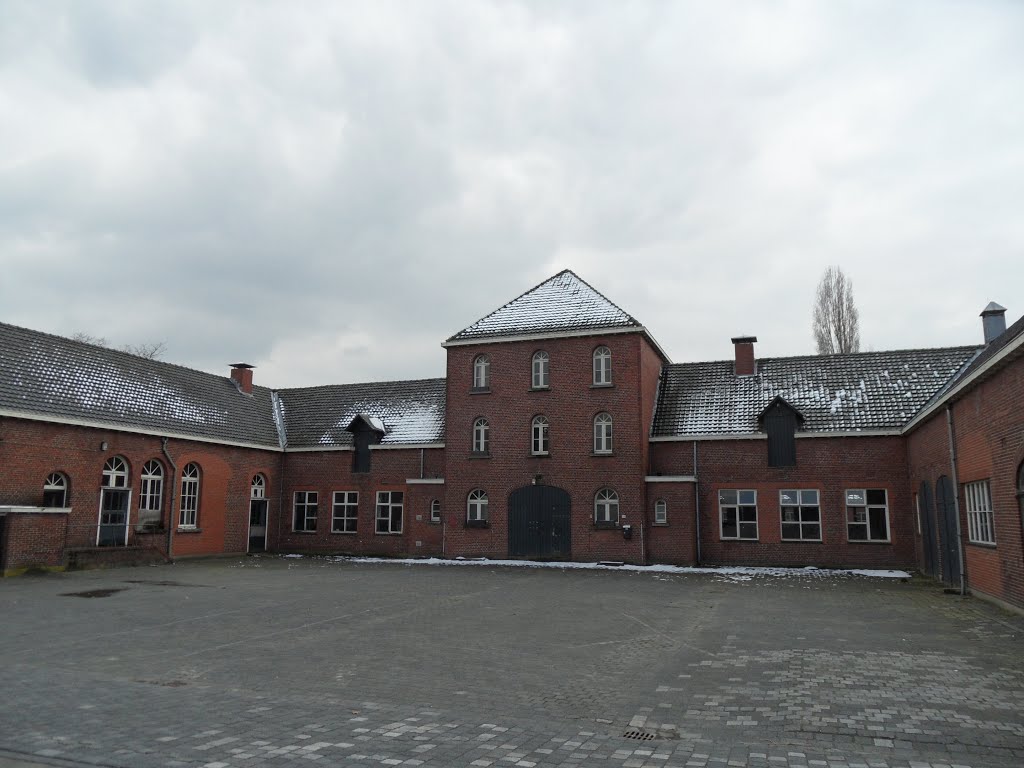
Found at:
<point>539,524</point>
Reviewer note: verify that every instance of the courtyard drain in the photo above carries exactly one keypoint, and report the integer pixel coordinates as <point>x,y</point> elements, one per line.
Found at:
<point>640,735</point>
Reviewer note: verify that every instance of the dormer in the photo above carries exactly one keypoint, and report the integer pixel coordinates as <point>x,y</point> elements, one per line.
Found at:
<point>781,421</point>
<point>366,430</point>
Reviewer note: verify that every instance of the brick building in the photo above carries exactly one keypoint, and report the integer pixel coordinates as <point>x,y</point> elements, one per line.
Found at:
<point>561,431</point>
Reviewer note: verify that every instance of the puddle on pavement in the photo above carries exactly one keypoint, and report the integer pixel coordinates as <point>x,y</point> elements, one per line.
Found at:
<point>94,592</point>
<point>162,583</point>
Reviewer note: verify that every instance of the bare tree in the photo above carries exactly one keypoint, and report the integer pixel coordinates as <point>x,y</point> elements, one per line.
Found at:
<point>150,350</point>
<point>836,320</point>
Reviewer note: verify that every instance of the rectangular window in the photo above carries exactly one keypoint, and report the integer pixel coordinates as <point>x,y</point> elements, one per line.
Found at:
<point>738,511</point>
<point>345,512</point>
<point>189,502</point>
<point>980,529</point>
<point>306,506</point>
<point>389,511</point>
<point>150,497</point>
<point>867,515</point>
<point>801,515</point>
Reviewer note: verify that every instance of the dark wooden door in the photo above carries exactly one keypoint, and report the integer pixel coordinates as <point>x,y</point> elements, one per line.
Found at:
<point>539,523</point>
<point>258,525</point>
<point>945,504</point>
<point>926,505</point>
<point>113,530</point>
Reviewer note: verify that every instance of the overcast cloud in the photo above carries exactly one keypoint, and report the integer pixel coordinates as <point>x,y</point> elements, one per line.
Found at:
<point>328,190</point>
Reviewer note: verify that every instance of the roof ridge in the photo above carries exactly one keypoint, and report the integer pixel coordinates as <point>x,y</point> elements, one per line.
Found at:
<point>836,355</point>
<point>119,352</point>
<point>359,384</point>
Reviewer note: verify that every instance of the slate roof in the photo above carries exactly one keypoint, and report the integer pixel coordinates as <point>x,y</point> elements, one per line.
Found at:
<point>562,303</point>
<point>412,412</point>
<point>835,393</point>
<point>49,375</point>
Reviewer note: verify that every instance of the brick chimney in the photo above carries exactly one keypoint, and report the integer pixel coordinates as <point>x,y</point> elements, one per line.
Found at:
<point>993,321</point>
<point>241,374</point>
<point>744,346</point>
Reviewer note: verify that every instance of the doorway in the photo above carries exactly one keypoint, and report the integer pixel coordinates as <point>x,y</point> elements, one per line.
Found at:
<point>258,514</point>
<point>539,522</point>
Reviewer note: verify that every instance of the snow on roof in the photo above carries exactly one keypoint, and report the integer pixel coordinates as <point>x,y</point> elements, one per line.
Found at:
<point>411,411</point>
<point>561,303</point>
<point>835,393</point>
<point>53,376</point>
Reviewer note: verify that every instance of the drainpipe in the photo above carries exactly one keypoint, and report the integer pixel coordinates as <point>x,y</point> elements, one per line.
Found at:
<point>174,495</point>
<point>956,498</point>
<point>696,499</point>
<point>421,463</point>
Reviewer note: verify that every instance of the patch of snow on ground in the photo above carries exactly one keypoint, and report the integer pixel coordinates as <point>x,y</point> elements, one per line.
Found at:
<point>736,573</point>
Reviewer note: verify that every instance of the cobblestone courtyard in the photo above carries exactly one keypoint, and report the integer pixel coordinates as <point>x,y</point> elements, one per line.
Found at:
<point>274,661</point>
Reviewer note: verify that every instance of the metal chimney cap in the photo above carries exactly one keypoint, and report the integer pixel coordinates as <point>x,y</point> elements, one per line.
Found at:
<point>992,309</point>
<point>241,365</point>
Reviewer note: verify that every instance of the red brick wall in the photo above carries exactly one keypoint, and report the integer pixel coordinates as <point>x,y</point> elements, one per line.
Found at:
<point>570,404</point>
<point>674,542</point>
<point>329,471</point>
<point>989,429</point>
<point>32,540</point>
<point>830,465</point>
<point>31,450</point>
<point>927,461</point>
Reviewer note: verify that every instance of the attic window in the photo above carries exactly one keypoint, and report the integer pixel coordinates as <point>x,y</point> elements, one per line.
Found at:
<point>780,421</point>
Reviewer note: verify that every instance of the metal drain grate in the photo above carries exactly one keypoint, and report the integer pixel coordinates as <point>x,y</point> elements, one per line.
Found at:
<point>639,735</point>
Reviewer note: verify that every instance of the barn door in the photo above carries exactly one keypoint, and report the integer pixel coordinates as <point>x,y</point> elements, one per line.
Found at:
<point>946,507</point>
<point>928,534</point>
<point>538,522</point>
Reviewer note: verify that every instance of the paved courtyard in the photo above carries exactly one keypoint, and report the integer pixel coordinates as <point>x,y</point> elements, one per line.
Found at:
<point>274,661</point>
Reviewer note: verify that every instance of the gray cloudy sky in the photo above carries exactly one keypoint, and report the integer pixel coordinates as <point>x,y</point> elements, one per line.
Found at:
<point>328,190</point>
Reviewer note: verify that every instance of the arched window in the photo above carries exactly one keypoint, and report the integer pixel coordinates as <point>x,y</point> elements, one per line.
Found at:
<point>435,511</point>
<point>606,507</point>
<point>660,512</point>
<point>481,436</point>
<point>603,433</point>
<point>55,491</point>
<point>539,442</point>
<point>258,487</point>
<point>189,496</point>
<point>541,363</point>
<point>152,491</point>
<point>481,372</point>
<point>115,473</point>
<point>602,366</point>
<point>476,506</point>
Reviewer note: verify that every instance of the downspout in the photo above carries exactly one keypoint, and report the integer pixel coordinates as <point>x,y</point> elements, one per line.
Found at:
<point>174,495</point>
<point>956,498</point>
<point>643,550</point>
<point>696,499</point>
<point>421,463</point>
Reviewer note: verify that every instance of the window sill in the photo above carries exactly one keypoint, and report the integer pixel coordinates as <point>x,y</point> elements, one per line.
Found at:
<point>188,530</point>
<point>602,386</point>
<point>982,544</point>
<point>739,541</point>
<point>344,533</point>
<point>388,533</point>
<point>305,533</point>
<point>660,525</point>
<point>866,541</point>
<point>479,454</point>
<point>606,526</point>
<point>602,454</point>
<point>801,541</point>
<point>477,524</point>
<point>539,389</point>
<point>540,455</point>
<point>479,390</point>
<point>434,522</point>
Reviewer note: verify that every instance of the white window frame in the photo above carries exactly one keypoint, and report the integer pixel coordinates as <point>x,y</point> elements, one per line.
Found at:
<point>345,512</point>
<point>481,372</point>
<point>540,436</point>
<point>803,500</point>
<point>385,516</point>
<point>602,366</point>
<point>258,487</point>
<point>481,435</point>
<point>188,499</point>
<point>151,490</point>
<point>435,510</point>
<point>541,370</point>
<point>660,512</point>
<point>115,473</point>
<point>603,431</point>
<point>856,500</point>
<point>606,507</point>
<point>742,504</point>
<point>477,510</point>
<point>56,482</point>
<point>305,506</point>
<point>980,522</point>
